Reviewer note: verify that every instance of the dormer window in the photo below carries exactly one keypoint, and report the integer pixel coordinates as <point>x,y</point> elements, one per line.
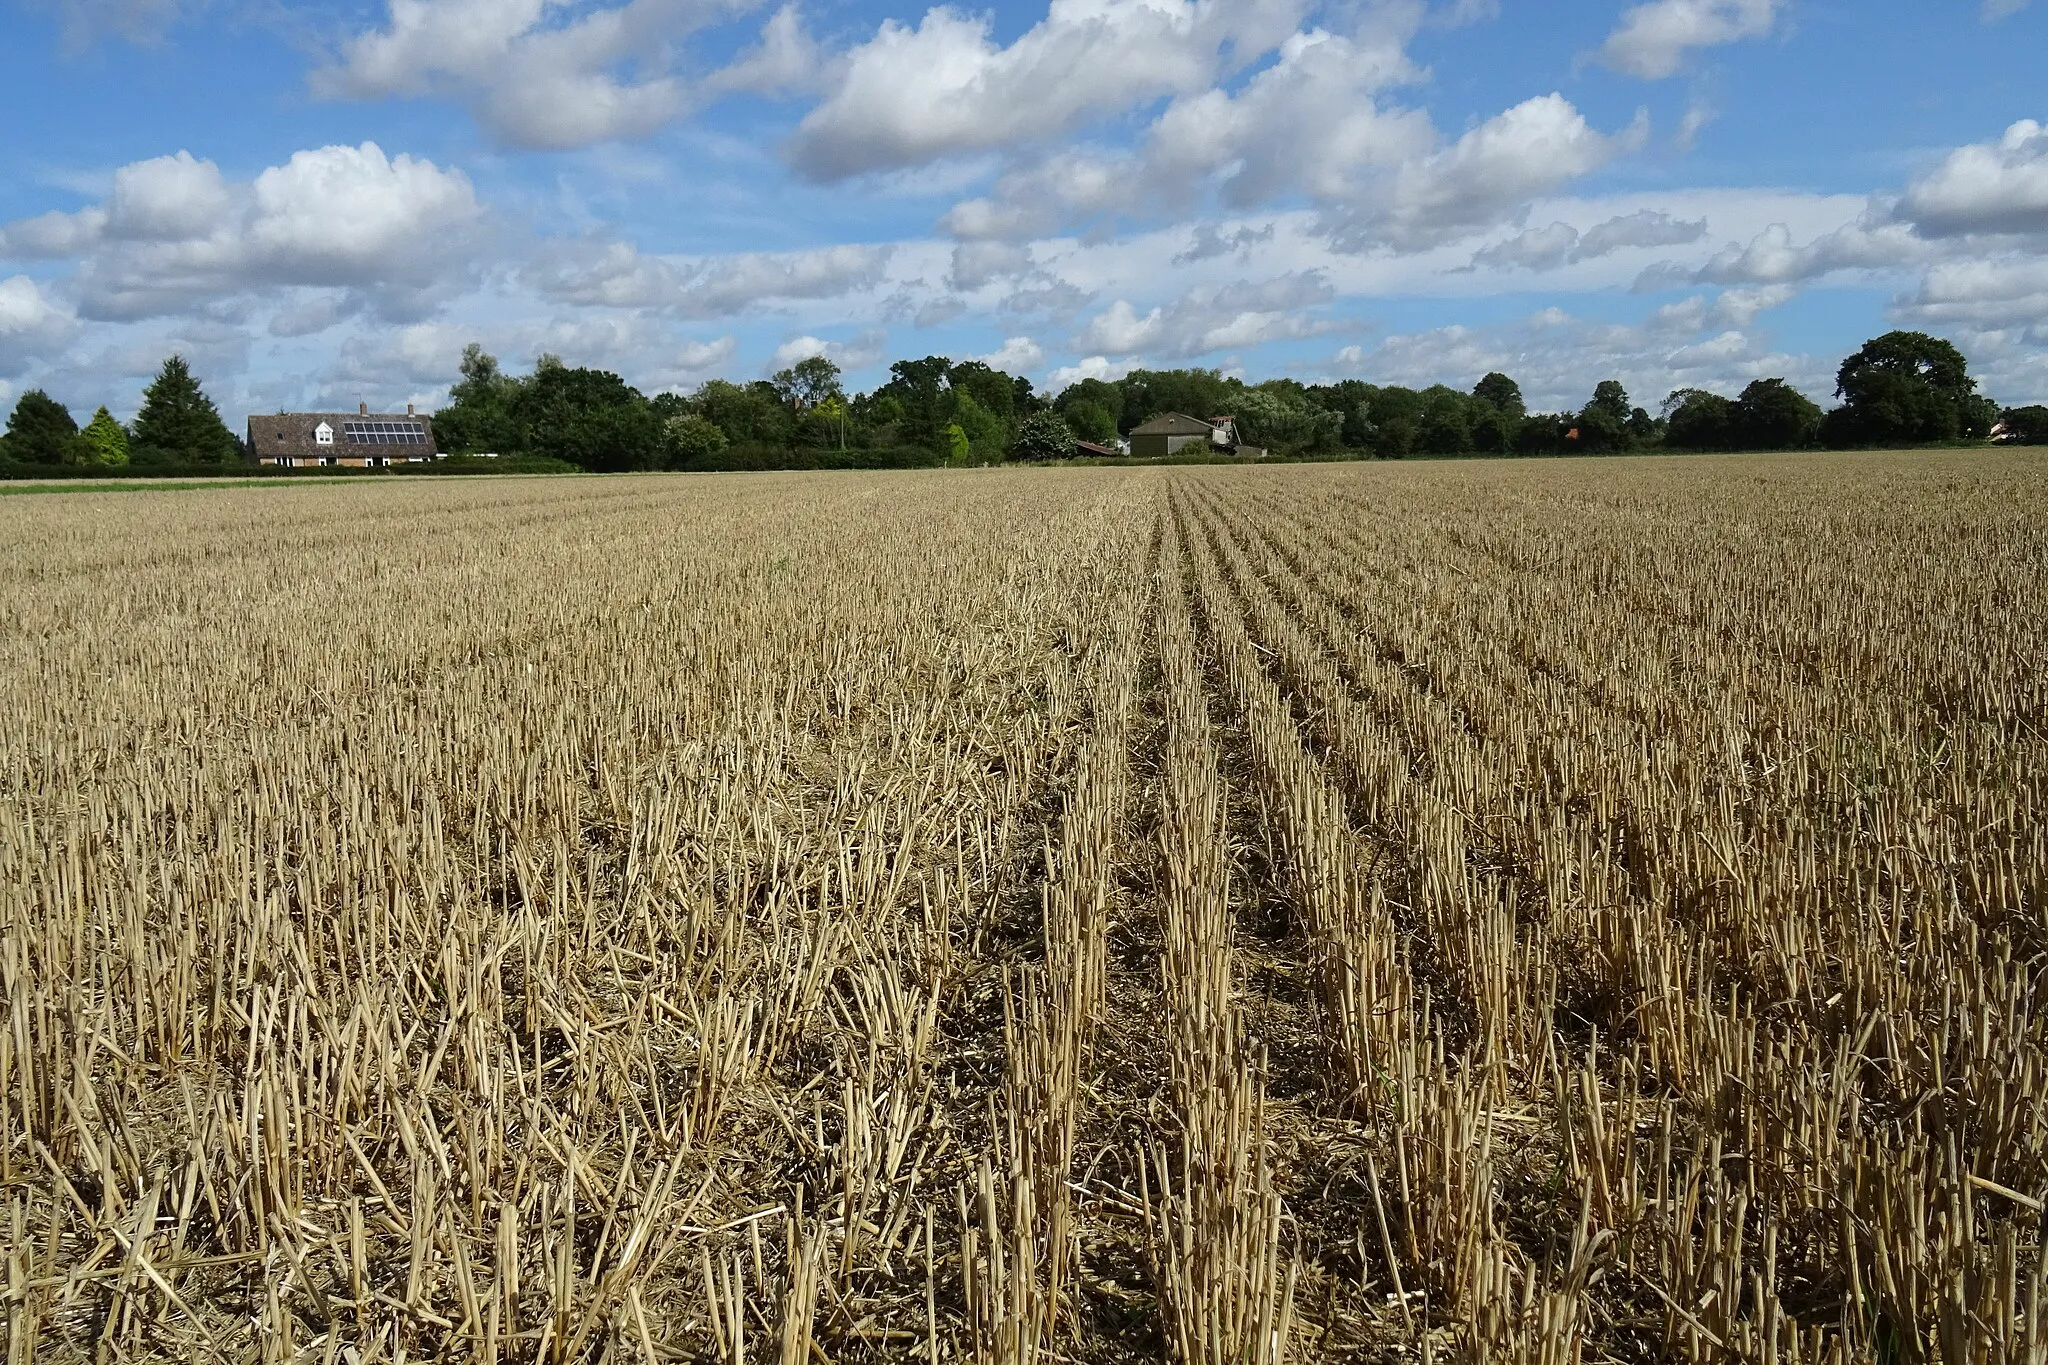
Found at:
<point>323,435</point>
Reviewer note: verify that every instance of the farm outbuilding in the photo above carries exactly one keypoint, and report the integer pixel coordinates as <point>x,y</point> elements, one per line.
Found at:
<point>1169,433</point>
<point>1173,432</point>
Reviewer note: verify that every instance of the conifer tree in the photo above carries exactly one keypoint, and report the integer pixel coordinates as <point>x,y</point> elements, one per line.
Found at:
<point>106,438</point>
<point>179,423</point>
<point>41,431</point>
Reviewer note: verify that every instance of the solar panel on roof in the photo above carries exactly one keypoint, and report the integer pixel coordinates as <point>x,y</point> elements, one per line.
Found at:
<point>364,432</point>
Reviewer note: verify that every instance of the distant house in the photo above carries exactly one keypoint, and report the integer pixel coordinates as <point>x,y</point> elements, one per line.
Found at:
<point>1173,432</point>
<point>1168,434</point>
<point>1093,450</point>
<point>361,439</point>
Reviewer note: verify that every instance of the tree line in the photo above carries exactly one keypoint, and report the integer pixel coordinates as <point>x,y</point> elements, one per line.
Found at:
<point>931,411</point>
<point>177,429</point>
<point>1903,388</point>
<point>1900,389</point>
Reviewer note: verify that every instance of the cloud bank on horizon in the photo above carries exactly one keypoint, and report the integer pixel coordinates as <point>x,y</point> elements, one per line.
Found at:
<point>1680,193</point>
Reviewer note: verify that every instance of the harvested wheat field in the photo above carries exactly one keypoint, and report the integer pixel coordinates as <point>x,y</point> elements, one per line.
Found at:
<point>1543,911</point>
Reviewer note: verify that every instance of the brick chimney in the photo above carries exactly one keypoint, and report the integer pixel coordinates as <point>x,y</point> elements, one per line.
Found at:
<point>363,409</point>
<point>408,411</point>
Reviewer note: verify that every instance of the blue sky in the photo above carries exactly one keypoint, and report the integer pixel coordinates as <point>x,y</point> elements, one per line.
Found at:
<point>320,204</point>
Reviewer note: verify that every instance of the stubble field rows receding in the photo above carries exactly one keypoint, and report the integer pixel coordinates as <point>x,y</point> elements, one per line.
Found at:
<point>1547,911</point>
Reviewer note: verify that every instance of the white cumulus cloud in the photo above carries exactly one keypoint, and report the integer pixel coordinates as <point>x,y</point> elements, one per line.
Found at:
<point>32,328</point>
<point>1240,314</point>
<point>533,80</point>
<point>341,215</point>
<point>175,233</point>
<point>1733,308</point>
<point>53,235</point>
<point>1652,40</point>
<point>1537,249</point>
<point>1561,243</point>
<point>1643,228</point>
<point>617,274</point>
<point>1312,126</point>
<point>944,88</point>
<point>854,353</point>
<point>1309,124</point>
<point>1772,257</point>
<point>1982,296</point>
<point>1986,187</point>
<point>976,263</point>
<point>167,199</point>
<point>1017,355</point>
<point>1090,367</point>
<point>1532,149</point>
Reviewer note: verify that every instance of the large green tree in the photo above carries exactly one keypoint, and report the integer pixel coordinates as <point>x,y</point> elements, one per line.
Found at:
<point>1496,413</point>
<point>41,431</point>
<point>1090,421</point>
<point>1446,427</point>
<point>1493,432</point>
<point>178,423</point>
<point>1350,400</point>
<point>1611,398</point>
<point>1604,422</point>
<point>994,391</point>
<point>808,383</point>
<point>987,433</point>
<point>590,418</point>
<point>693,440</point>
<point>1043,436</point>
<point>480,414</point>
<point>1279,415</point>
<point>924,395</point>
<point>1772,415</point>
<point>1091,407</point>
<point>753,414</point>
<point>1503,394</point>
<point>2027,425</point>
<point>1395,418</point>
<point>1545,433</point>
<point>1195,393</point>
<point>106,438</point>
<point>1695,419</point>
<point>878,417</point>
<point>1908,388</point>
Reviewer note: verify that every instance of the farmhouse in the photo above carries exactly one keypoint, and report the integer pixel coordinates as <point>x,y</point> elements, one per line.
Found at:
<point>361,439</point>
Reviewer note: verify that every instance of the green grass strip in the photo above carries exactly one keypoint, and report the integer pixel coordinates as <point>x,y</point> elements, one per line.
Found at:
<point>22,490</point>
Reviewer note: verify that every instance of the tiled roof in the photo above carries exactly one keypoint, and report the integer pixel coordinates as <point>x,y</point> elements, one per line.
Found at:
<point>1173,424</point>
<point>356,434</point>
